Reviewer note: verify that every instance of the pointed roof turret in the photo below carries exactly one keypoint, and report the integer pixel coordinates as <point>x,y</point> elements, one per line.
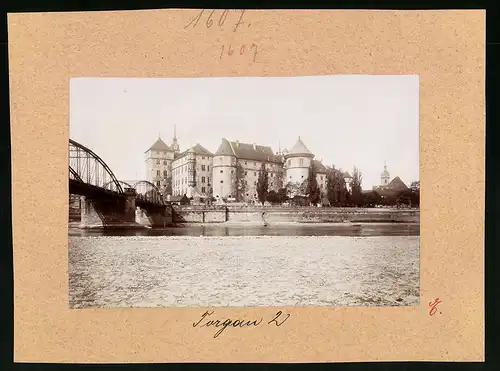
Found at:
<point>299,149</point>
<point>225,149</point>
<point>159,145</point>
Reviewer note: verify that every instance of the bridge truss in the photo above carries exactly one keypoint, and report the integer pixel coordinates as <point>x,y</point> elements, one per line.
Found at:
<point>88,170</point>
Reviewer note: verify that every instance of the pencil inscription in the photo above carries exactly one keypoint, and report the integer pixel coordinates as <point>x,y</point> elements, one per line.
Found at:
<point>241,50</point>
<point>234,17</point>
<point>278,320</point>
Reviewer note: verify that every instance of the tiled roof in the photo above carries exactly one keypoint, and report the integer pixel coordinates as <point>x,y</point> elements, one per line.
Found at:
<point>224,149</point>
<point>299,149</point>
<point>247,151</point>
<point>320,168</point>
<point>197,149</point>
<point>200,150</point>
<point>397,184</point>
<point>159,145</point>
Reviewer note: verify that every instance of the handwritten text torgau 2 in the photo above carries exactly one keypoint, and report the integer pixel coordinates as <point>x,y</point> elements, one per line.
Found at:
<point>277,320</point>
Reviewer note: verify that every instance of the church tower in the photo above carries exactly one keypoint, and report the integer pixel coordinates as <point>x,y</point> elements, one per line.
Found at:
<point>175,145</point>
<point>385,177</point>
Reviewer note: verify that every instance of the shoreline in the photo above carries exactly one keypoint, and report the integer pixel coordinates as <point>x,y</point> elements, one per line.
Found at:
<point>76,225</point>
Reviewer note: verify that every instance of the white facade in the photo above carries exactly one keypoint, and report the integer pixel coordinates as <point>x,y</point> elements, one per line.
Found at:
<point>224,168</point>
<point>192,173</point>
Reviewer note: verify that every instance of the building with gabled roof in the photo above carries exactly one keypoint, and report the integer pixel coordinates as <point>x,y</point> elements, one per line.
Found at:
<point>192,172</point>
<point>233,158</point>
<point>158,159</point>
<point>233,170</point>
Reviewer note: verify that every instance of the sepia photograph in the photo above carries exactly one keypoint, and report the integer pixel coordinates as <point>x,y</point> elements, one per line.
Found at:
<point>244,191</point>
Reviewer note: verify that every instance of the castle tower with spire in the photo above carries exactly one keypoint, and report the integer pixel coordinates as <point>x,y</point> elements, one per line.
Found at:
<point>385,177</point>
<point>175,145</point>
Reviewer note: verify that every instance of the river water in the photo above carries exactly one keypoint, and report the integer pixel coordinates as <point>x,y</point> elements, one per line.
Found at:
<point>244,265</point>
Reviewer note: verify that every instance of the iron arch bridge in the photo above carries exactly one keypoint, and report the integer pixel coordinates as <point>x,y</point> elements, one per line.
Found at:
<point>90,176</point>
<point>147,192</point>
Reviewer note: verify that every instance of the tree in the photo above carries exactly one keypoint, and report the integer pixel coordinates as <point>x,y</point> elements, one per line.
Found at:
<point>262,184</point>
<point>279,179</point>
<point>312,190</point>
<point>239,184</point>
<point>336,190</point>
<point>168,185</point>
<point>415,194</point>
<point>210,194</point>
<point>356,191</point>
<point>273,197</point>
<point>282,195</point>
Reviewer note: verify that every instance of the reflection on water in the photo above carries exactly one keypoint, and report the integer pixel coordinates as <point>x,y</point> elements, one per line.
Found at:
<point>356,230</point>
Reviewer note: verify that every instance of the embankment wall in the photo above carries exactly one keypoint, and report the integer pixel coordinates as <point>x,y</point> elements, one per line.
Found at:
<point>221,214</point>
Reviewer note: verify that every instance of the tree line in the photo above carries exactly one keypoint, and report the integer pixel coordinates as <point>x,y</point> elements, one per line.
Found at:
<point>336,193</point>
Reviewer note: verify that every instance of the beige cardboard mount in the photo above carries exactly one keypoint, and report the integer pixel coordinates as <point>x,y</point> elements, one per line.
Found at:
<point>445,48</point>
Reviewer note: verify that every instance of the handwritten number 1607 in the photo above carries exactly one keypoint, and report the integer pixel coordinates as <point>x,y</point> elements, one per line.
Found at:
<point>241,50</point>
<point>219,20</point>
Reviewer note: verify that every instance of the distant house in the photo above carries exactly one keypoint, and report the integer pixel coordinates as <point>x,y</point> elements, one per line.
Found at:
<point>179,200</point>
<point>397,185</point>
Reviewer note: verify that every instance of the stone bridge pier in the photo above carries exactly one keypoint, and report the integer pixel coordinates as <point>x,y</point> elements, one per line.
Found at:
<point>122,212</point>
<point>101,212</point>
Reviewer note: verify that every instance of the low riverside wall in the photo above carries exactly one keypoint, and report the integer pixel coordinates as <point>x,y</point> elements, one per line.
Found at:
<point>199,214</point>
<point>242,214</point>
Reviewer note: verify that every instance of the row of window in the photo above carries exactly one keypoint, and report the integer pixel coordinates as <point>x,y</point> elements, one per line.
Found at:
<point>320,177</point>
<point>254,173</point>
<point>183,191</point>
<point>254,164</point>
<point>178,182</point>
<point>301,162</point>
<point>183,169</point>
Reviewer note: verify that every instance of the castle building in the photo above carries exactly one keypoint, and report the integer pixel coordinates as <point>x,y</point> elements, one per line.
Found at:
<point>297,164</point>
<point>233,171</point>
<point>236,169</point>
<point>158,160</point>
<point>192,172</point>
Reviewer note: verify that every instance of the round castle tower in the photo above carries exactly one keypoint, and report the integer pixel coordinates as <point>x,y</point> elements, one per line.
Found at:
<point>224,170</point>
<point>297,162</point>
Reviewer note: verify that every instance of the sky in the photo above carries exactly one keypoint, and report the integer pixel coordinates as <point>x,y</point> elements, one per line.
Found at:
<point>345,120</point>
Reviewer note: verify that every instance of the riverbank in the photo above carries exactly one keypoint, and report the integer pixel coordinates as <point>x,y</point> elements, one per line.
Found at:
<point>253,214</point>
<point>107,272</point>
